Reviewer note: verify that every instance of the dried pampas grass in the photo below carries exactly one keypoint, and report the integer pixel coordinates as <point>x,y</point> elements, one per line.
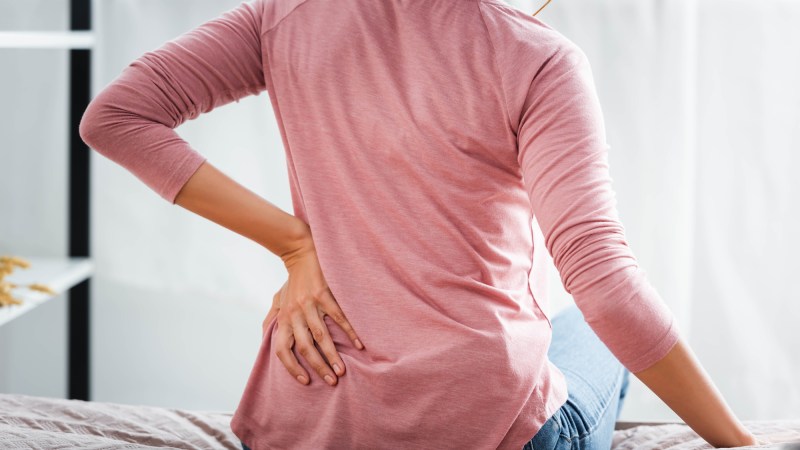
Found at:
<point>7,265</point>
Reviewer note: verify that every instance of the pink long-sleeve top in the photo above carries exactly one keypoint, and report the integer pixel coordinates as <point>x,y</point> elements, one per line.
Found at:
<point>422,139</point>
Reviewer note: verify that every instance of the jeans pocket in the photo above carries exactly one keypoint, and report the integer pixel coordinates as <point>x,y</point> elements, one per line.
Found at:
<point>548,437</point>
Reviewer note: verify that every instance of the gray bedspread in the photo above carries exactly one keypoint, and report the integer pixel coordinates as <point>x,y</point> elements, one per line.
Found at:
<point>30,422</point>
<point>772,434</point>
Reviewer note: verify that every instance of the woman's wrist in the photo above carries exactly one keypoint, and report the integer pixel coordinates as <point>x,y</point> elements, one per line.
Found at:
<point>298,243</point>
<point>212,194</point>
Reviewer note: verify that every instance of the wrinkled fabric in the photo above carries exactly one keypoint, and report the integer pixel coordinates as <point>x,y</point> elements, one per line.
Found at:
<point>772,434</point>
<point>34,422</point>
<point>437,150</point>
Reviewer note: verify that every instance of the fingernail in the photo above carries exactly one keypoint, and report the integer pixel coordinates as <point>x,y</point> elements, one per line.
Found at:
<point>329,379</point>
<point>359,344</point>
<point>337,369</point>
<point>301,379</point>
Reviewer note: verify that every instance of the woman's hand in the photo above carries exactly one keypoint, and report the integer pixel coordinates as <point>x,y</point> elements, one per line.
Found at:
<point>300,305</point>
<point>305,298</point>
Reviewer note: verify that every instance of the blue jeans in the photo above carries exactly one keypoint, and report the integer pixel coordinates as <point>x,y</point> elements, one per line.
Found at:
<point>596,385</point>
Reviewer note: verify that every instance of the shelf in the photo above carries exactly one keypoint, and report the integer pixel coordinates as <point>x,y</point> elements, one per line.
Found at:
<point>59,274</point>
<point>47,39</point>
<point>70,273</point>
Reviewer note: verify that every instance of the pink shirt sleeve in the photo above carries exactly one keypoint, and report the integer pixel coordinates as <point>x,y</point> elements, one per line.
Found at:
<point>564,158</point>
<point>132,120</point>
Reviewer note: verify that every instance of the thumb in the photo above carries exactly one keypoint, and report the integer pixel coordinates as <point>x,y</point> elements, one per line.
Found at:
<point>272,313</point>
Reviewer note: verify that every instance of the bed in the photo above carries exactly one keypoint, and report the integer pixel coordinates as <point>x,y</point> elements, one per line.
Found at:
<point>33,422</point>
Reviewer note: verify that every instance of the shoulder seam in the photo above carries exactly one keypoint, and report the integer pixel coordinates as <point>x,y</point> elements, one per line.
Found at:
<point>264,32</point>
<point>496,67</point>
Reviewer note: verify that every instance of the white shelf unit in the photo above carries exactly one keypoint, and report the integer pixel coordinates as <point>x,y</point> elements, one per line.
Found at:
<point>47,39</point>
<point>71,274</point>
<point>59,274</point>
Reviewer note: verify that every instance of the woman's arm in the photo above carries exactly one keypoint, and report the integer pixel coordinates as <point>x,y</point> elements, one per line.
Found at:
<point>681,382</point>
<point>215,196</point>
<point>132,120</point>
<point>563,155</point>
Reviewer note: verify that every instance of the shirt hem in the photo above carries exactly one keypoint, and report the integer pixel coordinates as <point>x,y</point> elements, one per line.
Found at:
<point>552,405</point>
<point>658,351</point>
<point>181,176</point>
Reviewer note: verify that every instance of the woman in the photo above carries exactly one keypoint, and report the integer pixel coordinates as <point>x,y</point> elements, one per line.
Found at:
<point>421,137</point>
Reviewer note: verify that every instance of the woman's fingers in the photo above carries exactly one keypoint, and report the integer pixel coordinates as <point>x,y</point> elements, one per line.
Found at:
<point>332,309</point>
<point>283,343</point>
<point>304,341</point>
<point>321,334</point>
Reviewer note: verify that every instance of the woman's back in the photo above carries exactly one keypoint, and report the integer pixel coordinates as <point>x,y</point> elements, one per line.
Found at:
<point>420,137</point>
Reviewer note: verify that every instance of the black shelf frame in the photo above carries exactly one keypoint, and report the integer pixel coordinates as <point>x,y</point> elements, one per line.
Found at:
<point>79,311</point>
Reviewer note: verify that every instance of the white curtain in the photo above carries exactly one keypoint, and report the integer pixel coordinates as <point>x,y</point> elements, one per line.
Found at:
<point>702,108</point>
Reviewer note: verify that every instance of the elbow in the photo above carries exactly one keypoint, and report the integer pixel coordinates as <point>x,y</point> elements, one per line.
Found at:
<point>100,124</point>
<point>91,129</point>
<point>590,251</point>
<point>596,261</point>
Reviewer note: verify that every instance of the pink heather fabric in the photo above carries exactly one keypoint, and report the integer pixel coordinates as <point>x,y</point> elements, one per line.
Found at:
<point>420,137</point>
